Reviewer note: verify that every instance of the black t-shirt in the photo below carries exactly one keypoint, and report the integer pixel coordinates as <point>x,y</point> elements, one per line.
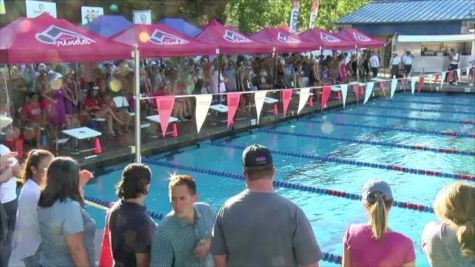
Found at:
<point>131,230</point>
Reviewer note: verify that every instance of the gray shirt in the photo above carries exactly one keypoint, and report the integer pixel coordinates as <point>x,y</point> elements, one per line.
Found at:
<point>263,229</point>
<point>442,248</point>
<point>59,220</point>
<point>175,239</point>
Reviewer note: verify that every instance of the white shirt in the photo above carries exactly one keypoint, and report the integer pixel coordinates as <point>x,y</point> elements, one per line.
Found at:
<point>27,236</point>
<point>374,61</point>
<point>455,59</point>
<point>407,60</point>
<point>8,189</point>
<point>395,60</point>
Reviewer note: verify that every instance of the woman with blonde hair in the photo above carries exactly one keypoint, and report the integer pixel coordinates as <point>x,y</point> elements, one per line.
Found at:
<point>452,242</point>
<point>27,239</point>
<point>374,244</point>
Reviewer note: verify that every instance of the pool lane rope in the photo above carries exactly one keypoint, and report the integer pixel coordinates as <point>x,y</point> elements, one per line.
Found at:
<point>392,128</point>
<point>357,141</point>
<point>281,184</point>
<point>428,110</point>
<point>428,95</point>
<point>352,113</point>
<point>427,102</point>
<point>358,163</point>
<point>104,204</point>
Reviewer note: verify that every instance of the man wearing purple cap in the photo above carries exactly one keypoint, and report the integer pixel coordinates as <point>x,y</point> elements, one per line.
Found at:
<point>257,227</point>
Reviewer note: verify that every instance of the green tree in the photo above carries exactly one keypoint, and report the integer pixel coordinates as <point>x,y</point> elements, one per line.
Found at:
<point>253,15</point>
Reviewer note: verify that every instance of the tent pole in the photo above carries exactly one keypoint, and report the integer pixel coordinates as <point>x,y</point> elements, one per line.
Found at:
<point>138,146</point>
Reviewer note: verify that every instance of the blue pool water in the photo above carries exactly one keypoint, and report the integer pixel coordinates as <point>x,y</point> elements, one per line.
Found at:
<point>330,215</point>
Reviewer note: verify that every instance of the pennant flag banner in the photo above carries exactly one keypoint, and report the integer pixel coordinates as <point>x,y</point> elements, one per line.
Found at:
<point>382,85</point>
<point>356,91</point>
<point>450,76</point>
<point>413,84</point>
<point>444,74</point>
<point>233,104</point>
<point>304,94</point>
<point>393,87</point>
<point>325,96</point>
<point>105,259</point>
<point>286,96</point>
<point>259,98</point>
<point>165,108</point>
<point>437,76</point>
<point>344,93</point>
<point>313,13</point>
<point>203,102</point>
<point>369,90</point>
<point>430,77</point>
<point>421,84</point>
<point>294,16</point>
<point>459,73</point>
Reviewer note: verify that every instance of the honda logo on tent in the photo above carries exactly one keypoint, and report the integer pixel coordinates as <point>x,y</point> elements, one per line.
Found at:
<point>328,38</point>
<point>360,37</point>
<point>58,36</point>
<point>163,38</point>
<point>234,37</point>
<point>283,38</point>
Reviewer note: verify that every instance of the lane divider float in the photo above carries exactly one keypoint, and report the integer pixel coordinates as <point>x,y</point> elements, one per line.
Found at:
<point>353,113</point>
<point>427,102</point>
<point>357,141</point>
<point>428,110</point>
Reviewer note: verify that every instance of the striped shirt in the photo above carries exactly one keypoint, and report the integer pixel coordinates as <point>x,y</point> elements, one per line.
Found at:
<point>175,239</point>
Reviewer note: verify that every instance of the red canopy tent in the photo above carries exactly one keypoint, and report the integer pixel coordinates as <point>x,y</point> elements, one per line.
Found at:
<point>45,39</point>
<point>158,40</point>
<point>283,41</point>
<point>230,41</point>
<point>325,39</point>
<point>360,39</point>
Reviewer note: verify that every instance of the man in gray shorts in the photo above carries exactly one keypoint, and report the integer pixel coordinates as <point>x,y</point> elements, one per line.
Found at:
<point>257,227</point>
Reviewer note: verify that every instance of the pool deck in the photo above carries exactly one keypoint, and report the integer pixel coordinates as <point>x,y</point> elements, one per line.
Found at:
<point>212,130</point>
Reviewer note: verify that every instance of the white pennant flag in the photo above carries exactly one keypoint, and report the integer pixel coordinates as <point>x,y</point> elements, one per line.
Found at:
<point>202,106</point>
<point>442,81</point>
<point>430,79</point>
<point>413,84</point>
<point>393,87</point>
<point>459,73</point>
<point>468,71</point>
<point>259,98</point>
<point>369,91</point>
<point>344,93</point>
<point>304,94</point>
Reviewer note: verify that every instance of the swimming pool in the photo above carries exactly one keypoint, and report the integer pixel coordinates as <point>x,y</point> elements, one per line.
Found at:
<point>418,144</point>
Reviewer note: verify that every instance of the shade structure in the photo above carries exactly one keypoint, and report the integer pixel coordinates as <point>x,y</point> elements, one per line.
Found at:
<point>229,41</point>
<point>45,39</point>
<point>283,41</point>
<point>108,25</point>
<point>360,39</point>
<point>182,26</point>
<point>325,39</point>
<point>158,40</point>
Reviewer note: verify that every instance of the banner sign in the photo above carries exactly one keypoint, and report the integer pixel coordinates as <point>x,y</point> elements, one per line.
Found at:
<point>89,13</point>
<point>165,108</point>
<point>313,13</point>
<point>286,96</point>
<point>36,8</point>
<point>142,16</point>
<point>233,104</point>
<point>259,98</point>
<point>294,16</point>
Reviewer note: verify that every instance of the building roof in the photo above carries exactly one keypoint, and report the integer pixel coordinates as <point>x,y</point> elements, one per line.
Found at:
<point>398,11</point>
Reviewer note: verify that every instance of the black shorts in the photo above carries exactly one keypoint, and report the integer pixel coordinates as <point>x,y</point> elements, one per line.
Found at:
<point>407,69</point>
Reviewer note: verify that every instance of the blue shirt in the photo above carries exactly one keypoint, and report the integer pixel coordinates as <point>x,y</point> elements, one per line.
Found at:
<point>175,239</point>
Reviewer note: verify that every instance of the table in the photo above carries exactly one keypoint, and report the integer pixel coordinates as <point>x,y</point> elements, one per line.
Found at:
<point>81,133</point>
<point>156,119</point>
<point>219,108</point>
<point>270,100</point>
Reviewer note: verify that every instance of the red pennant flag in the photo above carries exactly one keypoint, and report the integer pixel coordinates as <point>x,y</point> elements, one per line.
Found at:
<point>404,83</point>
<point>286,96</point>
<point>233,104</point>
<point>165,108</point>
<point>326,94</point>
<point>382,85</point>
<point>356,90</point>
<point>310,101</point>
<point>420,84</point>
<point>105,259</point>
<point>450,76</point>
